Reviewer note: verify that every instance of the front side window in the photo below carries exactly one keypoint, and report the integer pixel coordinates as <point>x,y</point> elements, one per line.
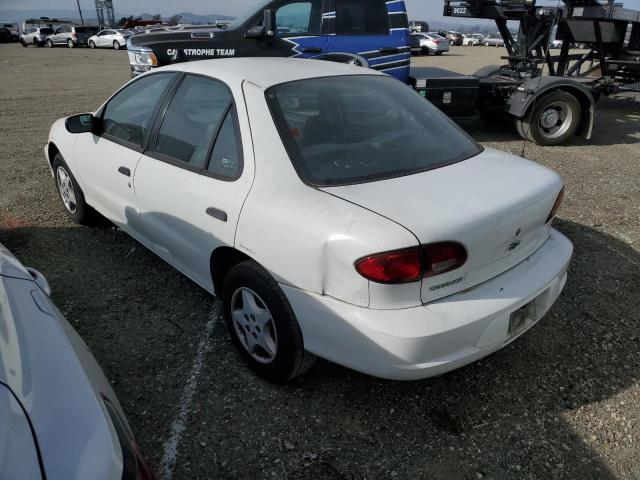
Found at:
<point>129,114</point>
<point>299,18</point>
<point>357,129</point>
<point>192,120</point>
<point>362,17</point>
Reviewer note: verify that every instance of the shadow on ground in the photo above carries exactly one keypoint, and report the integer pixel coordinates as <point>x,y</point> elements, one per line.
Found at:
<point>617,122</point>
<point>512,415</point>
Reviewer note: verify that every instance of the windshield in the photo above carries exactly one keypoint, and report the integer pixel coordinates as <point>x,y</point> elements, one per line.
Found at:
<point>239,21</point>
<point>357,129</point>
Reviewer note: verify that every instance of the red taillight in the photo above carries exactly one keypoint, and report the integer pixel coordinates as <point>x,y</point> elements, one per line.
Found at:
<point>443,257</point>
<point>401,266</point>
<point>556,206</point>
<point>412,264</point>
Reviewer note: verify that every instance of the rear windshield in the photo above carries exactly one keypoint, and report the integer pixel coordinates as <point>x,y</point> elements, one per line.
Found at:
<point>357,129</point>
<point>46,30</point>
<point>87,29</point>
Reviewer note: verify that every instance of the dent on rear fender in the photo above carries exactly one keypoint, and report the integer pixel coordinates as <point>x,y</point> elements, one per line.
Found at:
<point>339,277</point>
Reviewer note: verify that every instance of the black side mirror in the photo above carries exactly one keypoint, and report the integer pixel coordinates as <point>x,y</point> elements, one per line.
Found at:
<point>83,123</point>
<point>267,29</point>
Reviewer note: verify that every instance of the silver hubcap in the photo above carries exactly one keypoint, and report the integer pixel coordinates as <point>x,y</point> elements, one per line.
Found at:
<point>66,190</point>
<point>254,325</point>
<point>556,120</point>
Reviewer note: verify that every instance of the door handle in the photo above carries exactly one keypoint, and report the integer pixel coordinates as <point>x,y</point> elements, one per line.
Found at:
<point>389,50</point>
<point>312,50</point>
<point>217,214</point>
<point>124,171</point>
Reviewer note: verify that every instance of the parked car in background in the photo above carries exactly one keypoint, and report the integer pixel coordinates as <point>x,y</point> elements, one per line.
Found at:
<point>418,26</point>
<point>493,40</point>
<point>9,32</point>
<point>428,43</point>
<point>301,194</point>
<point>455,38</point>
<point>71,36</point>
<point>35,36</point>
<point>59,417</point>
<point>109,38</point>
<point>473,39</point>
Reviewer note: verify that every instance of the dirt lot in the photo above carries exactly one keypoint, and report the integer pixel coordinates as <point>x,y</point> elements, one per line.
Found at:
<point>562,402</point>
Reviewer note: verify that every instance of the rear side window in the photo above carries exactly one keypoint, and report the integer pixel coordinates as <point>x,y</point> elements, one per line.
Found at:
<point>46,31</point>
<point>128,115</point>
<point>357,129</point>
<point>299,18</point>
<point>226,157</point>
<point>192,120</point>
<point>361,17</point>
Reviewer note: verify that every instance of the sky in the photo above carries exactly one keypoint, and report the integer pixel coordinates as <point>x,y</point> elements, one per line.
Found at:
<point>418,9</point>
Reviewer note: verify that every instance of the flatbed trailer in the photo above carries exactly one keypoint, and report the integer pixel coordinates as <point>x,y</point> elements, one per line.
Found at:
<point>550,108</point>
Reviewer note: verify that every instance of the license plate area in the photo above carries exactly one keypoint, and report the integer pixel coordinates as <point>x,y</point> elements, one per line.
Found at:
<point>522,318</point>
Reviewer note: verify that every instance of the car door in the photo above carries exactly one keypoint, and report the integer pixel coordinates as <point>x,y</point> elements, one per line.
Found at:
<point>192,181</point>
<point>61,35</point>
<point>299,23</point>
<point>107,159</point>
<point>105,38</point>
<point>375,31</point>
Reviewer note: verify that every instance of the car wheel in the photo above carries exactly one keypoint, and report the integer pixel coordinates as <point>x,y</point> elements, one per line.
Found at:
<point>71,194</point>
<point>425,51</point>
<point>23,43</point>
<point>92,44</point>
<point>486,44</point>
<point>451,43</point>
<point>554,119</point>
<point>438,53</point>
<point>49,43</point>
<point>70,43</point>
<point>262,325</point>
<point>116,45</point>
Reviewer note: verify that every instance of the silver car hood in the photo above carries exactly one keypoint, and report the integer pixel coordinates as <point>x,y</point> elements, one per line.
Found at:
<point>10,266</point>
<point>18,453</point>
<point>59,385</point>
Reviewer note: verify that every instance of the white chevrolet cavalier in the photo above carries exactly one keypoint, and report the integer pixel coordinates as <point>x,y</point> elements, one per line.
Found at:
<point>335,211</point>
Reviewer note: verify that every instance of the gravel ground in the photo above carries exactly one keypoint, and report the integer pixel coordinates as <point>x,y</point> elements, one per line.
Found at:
<point>561,402</point>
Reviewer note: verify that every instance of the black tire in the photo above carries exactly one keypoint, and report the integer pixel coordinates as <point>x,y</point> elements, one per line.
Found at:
<point>425,51</point>
<point>49,43</point>
<point>92,44</point>
<point>70,43</point>
<point>116,45</point>
<point>291,359</point>
<point>23,43</point>
<point>531,126</point>
<point>438,53</point>
<point>83,213</point>
<point>36,43</point>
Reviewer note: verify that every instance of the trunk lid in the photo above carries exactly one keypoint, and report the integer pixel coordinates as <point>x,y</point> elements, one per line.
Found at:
<point>495,204</point>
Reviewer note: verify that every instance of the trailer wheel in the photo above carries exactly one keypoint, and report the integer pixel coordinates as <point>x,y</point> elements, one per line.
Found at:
<point>554,119</point>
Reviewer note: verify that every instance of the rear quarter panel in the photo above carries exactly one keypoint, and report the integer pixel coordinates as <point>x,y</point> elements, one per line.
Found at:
<point>304,237</point>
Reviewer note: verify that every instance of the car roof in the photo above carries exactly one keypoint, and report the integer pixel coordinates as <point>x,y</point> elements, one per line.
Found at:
<point>268,71</point>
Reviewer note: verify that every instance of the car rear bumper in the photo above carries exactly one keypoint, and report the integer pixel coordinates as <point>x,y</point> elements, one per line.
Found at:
<point>432,339</point>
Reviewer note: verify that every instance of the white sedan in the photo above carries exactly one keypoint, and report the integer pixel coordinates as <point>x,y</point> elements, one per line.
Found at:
<point>115,39</point>
<point>335,212</point>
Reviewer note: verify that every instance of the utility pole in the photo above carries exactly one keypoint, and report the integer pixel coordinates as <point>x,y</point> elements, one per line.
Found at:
<point>80,12</point>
